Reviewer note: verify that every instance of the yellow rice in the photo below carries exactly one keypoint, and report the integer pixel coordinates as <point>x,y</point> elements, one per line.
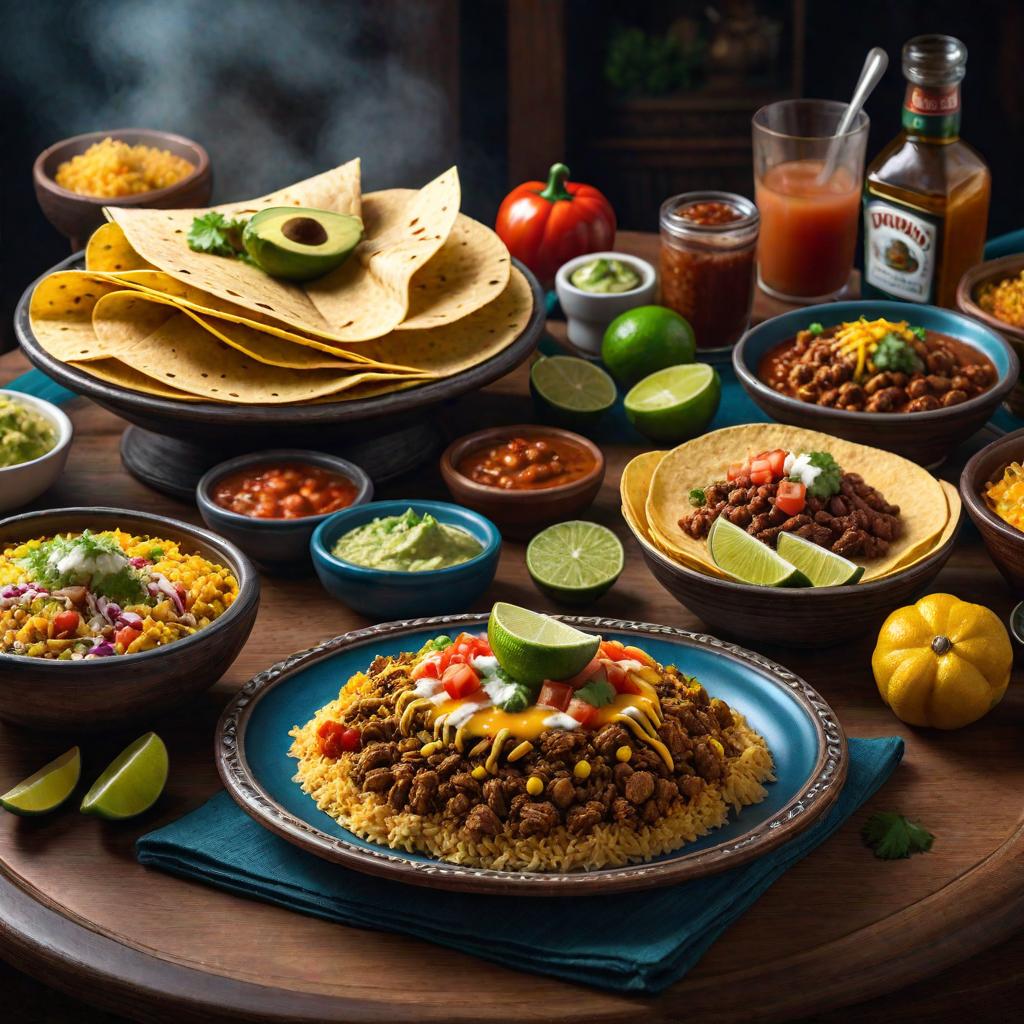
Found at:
<point>111,169</point>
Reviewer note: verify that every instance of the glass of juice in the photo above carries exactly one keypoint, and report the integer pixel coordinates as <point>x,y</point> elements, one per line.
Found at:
<point>808,218</point>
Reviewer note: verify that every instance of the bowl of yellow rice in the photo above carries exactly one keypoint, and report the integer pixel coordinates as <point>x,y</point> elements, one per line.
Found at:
<point>76,177</point>
<point>109,616</point>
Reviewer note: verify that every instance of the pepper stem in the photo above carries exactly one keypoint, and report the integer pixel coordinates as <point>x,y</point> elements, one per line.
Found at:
<point>555,188</point>
<point>941,644</point>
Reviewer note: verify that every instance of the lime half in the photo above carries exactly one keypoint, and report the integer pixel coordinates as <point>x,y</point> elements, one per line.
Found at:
<point>676,403</point>
<point>746,559</point>
<point>533,647</point>
<point>131,783</point>
<point>48,788</point>
<point>822,567</point>
<point>575,562</point>
<point>573,390</point>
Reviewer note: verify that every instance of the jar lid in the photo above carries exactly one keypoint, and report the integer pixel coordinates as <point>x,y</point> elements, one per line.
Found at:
<point>707,213</point>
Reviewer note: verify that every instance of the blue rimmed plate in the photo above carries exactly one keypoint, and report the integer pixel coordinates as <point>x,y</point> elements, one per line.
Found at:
<point>802,732</point>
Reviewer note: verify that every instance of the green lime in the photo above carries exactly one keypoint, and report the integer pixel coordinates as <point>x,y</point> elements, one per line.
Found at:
<point>48,788</point>
<point>575,562</point>
<point>676,403</point>
<point>131,783</point>
<point>646,339</point>
<point>822,567</point>
<point>574,391</point>
<point>531,647</point>
<point>746,559</point>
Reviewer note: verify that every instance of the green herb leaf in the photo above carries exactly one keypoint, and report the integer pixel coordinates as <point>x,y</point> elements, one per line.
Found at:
<point>816,328</point>
<point>895,355</point>
<point>598,692</point>
<point>155,554</point>
<point>519,699</point>
<point>439,643</point>
<point>919,332</point>
<point>698,498</point>
<point>216,234</point>
<point>893,836</point>
<point>826,483</point>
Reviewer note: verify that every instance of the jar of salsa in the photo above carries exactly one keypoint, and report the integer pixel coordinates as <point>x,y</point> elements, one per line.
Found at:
<point>708,241</point>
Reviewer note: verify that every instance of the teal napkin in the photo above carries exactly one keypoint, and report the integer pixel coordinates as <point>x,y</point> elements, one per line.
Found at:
<point>635,942</point>
<point>37,384</point>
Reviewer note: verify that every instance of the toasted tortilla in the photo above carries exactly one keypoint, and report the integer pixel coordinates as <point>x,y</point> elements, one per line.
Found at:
<point>924,509</point>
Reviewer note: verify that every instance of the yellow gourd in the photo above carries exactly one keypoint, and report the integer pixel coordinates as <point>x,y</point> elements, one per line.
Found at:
<point>942,662</point>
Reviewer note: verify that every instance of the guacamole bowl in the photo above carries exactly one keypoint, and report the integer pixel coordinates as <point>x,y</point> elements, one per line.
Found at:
<point>385,594</point>
<point>23,481</point>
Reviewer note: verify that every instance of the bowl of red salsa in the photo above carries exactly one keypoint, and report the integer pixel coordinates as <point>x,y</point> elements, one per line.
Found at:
<point>525,476</point>
<point>269,503</point>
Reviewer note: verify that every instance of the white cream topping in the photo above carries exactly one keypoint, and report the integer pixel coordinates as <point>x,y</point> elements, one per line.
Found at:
<point>560,720</point>
<point>426,687</point>
<point>799,466</point>
<point>498,690</point>
<point>464,712</point>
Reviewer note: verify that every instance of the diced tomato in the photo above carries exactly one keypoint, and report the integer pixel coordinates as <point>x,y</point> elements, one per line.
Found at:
<point>555,695</point>
<point>776,458</point>
<point>737,469</point>
<point>126,636</point>
<point>583,712</point>
<point>335,739</point>
<point>460,681</point>
<point>581,678</point>
<point>65,622</point>
<point>452,659</point>
<point>620,679</point>
<point>427,669</point>
<point>791,497</point>
<point>761,472</point>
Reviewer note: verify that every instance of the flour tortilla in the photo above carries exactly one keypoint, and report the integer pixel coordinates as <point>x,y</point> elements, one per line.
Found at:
<point>924,509</point>
<point>365,298</point>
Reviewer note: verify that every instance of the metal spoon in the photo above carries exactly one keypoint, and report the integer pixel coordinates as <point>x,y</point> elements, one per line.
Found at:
<point>875,64</point>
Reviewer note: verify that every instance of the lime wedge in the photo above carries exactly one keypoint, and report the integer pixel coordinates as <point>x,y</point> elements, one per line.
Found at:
<point>746,559</point>
<point>573,391</point>
<point>822,567</point>
<point>48,788</point>
<point>131,783</point>
<point>533,647</point>
<point>675,403</point>
<point>575,562</point>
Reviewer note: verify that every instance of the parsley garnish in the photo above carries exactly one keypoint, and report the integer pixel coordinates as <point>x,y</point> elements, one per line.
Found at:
<point>216,234</point>
<point>892,836</point>
<point>826,483</point>
<point>894,354</point>
<point>597,692</point>
<point>698,498</point>
<point>123,585</point>
<point>919,332</point>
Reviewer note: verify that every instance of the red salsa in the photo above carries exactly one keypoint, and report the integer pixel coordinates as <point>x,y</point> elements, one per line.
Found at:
<point>288,490</point>
<point>708,213</point>
<point>528,463</point>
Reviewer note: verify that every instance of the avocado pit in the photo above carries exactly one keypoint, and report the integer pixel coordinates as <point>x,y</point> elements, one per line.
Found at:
<point>304,231</point>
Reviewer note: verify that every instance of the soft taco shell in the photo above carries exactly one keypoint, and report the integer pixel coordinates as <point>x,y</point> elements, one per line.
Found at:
<point>924,510</point>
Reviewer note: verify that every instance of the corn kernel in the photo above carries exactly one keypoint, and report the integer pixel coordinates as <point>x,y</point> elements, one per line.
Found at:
<point>521,751</point>
<point>582,770</point>
<point>480,772</point>
<point>430,748</point>
<point>535,785</point>
<point>718,746</point>
<point>624,753</point>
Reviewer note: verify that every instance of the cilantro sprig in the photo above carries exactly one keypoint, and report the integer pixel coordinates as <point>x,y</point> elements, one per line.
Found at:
<point>892,836</point>
<point>218,235</point>
<point>894,354</point>
<point>597,692</point>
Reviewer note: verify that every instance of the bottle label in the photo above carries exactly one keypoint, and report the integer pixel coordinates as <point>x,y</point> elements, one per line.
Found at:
<point>900,250</point>
<point>933,113</point>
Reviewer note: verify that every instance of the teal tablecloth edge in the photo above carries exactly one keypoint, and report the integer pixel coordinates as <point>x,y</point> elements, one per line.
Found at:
<point>634,942</point>
<point>37,384</point>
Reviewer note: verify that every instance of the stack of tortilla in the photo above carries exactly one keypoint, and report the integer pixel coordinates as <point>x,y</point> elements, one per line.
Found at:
<point>428,293</point>
<point>655,491</point>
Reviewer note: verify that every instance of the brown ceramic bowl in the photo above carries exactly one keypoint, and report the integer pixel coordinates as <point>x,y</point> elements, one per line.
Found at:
<point>101,693</point>
<point>966,293</point>
<point>1005,543</point>
<point>78,216</point>
<point>797,617</point>
<point>520,514</point>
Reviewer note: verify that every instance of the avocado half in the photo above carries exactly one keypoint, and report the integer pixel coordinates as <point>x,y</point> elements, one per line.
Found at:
<point>299,244</point>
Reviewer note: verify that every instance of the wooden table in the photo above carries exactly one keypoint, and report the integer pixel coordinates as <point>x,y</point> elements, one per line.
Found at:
<point>79,913</point>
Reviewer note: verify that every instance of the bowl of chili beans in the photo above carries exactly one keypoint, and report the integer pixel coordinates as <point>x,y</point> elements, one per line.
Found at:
<point>523,477</point>
<point>913,379</point>
<point>269,503</point>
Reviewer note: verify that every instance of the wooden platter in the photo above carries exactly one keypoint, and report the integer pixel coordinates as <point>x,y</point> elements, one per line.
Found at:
<point>77,911</point>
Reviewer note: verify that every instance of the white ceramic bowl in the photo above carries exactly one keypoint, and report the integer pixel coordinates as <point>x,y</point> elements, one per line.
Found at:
<point>589,313</point>
<point>21,484</point>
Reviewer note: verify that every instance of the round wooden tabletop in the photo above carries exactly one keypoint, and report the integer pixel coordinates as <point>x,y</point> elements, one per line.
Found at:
<point>77,910</point>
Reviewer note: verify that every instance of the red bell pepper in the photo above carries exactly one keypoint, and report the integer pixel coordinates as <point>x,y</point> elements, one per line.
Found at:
<point>545,225</point>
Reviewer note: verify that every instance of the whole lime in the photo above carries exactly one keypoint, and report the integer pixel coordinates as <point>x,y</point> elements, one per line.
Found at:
<point>644,340</point>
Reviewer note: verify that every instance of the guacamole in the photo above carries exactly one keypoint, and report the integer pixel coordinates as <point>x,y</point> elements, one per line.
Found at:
<point>24,434</point>
<point>604,275</point>
<point>407,543</point>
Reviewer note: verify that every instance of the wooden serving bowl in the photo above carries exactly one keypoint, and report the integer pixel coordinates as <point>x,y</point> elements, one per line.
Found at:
<point>88,696</point>
<point>966,292</point>
<point>77,216</point>
<point>792,617</point>
<point>520,514</point>
<point>923,437</point>
<point>1005,543</point>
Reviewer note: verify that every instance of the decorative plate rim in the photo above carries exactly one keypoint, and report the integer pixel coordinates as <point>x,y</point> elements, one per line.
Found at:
<point>815,796</point>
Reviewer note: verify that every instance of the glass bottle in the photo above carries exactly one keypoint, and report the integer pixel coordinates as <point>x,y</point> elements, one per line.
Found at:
<point>926,194</point>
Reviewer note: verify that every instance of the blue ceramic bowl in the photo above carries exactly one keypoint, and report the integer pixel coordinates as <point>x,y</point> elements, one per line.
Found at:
<point>924,437</point>
<point>382,594</point>
<point>280,547</point>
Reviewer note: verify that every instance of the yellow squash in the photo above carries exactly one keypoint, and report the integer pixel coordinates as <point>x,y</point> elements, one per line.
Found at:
<point>942,662</point>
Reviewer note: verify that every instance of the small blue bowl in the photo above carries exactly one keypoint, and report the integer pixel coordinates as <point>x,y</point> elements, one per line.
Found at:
<point>280,547</point>
<point>924,437</point>
<point>382,594</point>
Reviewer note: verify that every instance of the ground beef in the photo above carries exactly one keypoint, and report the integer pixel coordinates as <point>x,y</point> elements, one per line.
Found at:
<point>482,821</point>
<point>538,819</point>
<point>639,787</point>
